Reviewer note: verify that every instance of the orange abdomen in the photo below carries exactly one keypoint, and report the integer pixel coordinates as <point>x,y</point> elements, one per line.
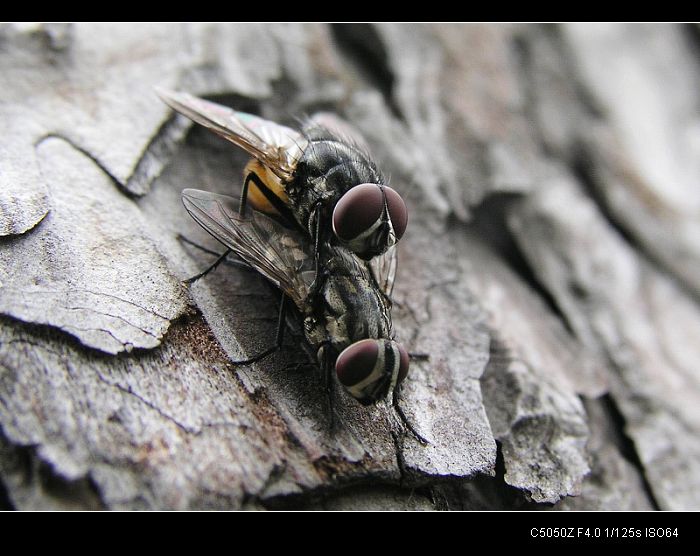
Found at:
<point>257,198</point>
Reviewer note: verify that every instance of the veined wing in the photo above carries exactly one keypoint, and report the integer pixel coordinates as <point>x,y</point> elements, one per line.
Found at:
<point>278,147</point>
<point>282,255</point>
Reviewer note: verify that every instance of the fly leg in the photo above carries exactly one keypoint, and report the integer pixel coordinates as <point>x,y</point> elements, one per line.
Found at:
<point>400,412</point>
<point>309,362</point>
<point>278,341</point>
<point>330,392</point>
<point>241,212</point>
<point>327,371</point>
<point>206,271</point>
<point>417,355</point>
<point>244,194</point>
<point>220,259</point>
<point>276,203</point>
<point>404,419</point>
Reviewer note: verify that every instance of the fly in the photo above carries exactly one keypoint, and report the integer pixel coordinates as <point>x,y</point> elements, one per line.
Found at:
<point>320,179</point>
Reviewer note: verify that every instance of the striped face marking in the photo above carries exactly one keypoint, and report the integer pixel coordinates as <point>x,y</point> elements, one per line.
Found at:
<point>371,369</point>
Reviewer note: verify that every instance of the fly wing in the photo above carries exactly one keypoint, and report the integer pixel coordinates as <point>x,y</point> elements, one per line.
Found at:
<point>384,269</point>
<point>276,146</point>
<point>282,255</point>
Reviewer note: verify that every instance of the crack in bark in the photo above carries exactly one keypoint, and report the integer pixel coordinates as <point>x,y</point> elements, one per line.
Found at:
<point>97,294</point>
<point>400,461</point>
<point>524,418</point>
<point>276,473</point>
<point>38,474</point>
<point>583,168</point>
<point>68,327</point>
<point>128,390</point>
<point>84,151</point>
<point>127,301</point>
<point>490,223</point>
<point>692,35</point>
<point>365,49</point>
<point>113,316</point>
<point>5,502</point>
<point>156,155</point>
<point>626,445</point>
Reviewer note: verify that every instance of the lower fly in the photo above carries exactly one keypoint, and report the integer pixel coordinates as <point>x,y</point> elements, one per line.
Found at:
<point>347,324</point>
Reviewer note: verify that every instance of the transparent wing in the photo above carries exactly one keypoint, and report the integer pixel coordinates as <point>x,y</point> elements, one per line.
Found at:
<point>384,269</point>
<point>276,146</point>
<point>282,255</point>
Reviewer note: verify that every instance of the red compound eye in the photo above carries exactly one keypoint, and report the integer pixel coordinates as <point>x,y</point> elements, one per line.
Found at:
<point>403,366</point>
<point>357,211</point>
<point>362,224</point>
<point>357,362</point>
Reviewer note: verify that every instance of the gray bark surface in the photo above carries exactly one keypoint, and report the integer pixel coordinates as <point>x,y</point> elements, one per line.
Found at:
<point>551,270</point>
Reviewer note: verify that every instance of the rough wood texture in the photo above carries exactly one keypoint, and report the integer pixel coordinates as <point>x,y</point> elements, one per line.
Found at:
<point>551,269</point>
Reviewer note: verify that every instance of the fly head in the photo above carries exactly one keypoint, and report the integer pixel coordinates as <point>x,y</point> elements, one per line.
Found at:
<point>369,219</point>
<point>371,369</point>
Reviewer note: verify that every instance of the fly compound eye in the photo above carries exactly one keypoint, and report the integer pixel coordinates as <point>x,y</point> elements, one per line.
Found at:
<point>370,368</point>
<point>397,211</point>
<point>356,364</point>
<point>404,360</point>
<point>358,211</point>
<point>364,218</point>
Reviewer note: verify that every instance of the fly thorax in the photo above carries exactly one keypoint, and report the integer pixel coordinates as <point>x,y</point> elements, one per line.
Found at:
<point>337,311</point>
<point>354,311</point>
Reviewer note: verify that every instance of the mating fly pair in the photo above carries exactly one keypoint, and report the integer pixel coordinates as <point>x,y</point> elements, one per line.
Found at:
<point>316,220</point>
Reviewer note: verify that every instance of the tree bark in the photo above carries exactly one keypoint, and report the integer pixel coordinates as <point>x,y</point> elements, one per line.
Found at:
<point>551,270</point>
